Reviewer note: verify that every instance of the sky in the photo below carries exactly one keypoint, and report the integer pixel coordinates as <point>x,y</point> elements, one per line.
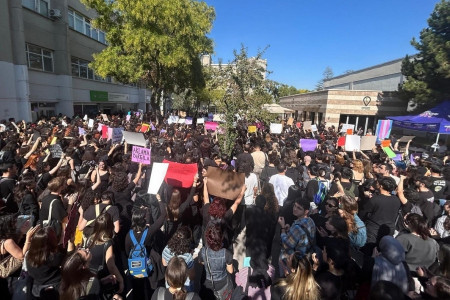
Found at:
<point>304,37</point>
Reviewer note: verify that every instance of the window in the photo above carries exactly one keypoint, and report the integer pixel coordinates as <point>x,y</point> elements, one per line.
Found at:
<point>39,58</point>
<point>83,25</point>
<point>81,69</point>
<point>40,6</point>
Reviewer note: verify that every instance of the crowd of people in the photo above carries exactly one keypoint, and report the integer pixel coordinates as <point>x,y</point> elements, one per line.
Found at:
<point>77,221</point>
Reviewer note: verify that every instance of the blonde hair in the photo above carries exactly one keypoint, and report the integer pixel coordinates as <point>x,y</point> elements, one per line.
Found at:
<point>301,284</point>
<point>358,166</point>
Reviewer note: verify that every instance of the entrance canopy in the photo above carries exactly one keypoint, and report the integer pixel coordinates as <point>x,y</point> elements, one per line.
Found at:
<point>435,120</point>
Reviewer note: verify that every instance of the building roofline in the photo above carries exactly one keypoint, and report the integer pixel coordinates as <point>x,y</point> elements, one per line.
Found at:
<point>326,91</point>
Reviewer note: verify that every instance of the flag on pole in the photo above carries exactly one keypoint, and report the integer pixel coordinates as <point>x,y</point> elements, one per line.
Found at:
<point>383,130</point>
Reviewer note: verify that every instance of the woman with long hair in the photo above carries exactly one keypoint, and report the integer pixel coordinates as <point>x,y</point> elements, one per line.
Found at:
<point>420,249</point>
<point>25,196</point>
<point>77,280</point>
<point>100,245</point>
<point>176,276</point>
<point>442,225</point>
<point>348,208</point>
<point>43,262</point>
<point>358,172</point>
<point>300,283</point>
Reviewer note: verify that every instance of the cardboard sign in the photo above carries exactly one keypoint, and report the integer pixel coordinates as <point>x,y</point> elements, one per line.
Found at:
<point>144,128</point>
<point>188,121</point>
<point>308,144</point>
<point>314,127</point>
<point>134,138</point>
<point>91,123</point>
<point>347,126</point>
<point>56,151</point>
<point>180,175</point>
<point>128,117</point>
<point>349,131</point>
<point>385,143</point>
<point>290,121</point>
<point>251,129</point>
<point>105,117</point>
<point>368,142</point>
<point>352,143</point>
<point>117,135</point>
<point>104,131</point>
<point>159,171</point>
<point>81,131</point>
<point>141,155</point>
<point>406,138</point>
<point>211,126</point>
<point>276,128</point>
<point>298,124</point>
<point>53,140</point>
<point>341,141</point>
<point>224,184</point>
<point>389,152</point>
<point>307,125</point>
<point>200,121</point>
<point>172,119</point>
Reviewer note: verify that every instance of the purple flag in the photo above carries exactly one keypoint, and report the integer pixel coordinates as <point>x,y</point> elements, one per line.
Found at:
<point>308,144</point>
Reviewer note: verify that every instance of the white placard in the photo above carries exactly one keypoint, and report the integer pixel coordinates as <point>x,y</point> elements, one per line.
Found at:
<point>314,127</point>
<point>200,121</point>
<point>276,128</point>
<point>181,121</point>
<point>91,123</point>
<point>134,138</point>
<point>105,117</point>
<point>173,119</point>
<point>159,171</point>
<point>347,126</point>
<point>85,117</point>
<point>352,142</point>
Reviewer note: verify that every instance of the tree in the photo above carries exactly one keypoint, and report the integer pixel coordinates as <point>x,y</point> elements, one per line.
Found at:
<point>428,72</point>
<point>154,42</point>
<point>241,88</point>
<point>286,90</point>
<point>327,74</point>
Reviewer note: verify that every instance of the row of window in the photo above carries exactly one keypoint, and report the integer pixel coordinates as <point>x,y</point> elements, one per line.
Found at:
<point>82,24</point>
<point>39,6</point>
<point>81,69</point>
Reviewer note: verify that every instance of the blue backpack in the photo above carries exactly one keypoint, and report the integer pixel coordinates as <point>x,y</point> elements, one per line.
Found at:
<point>321,193</point>
<point>139,263</point>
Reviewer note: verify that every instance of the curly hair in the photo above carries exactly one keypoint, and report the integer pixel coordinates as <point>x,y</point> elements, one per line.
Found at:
<point>214,237</point>
<point>348,207</point>
<point>89,198</point>
<point>217,209</point>
<point>271,206</point>
<point>180,242</point>
<point>119,181</point>
<point>358,166</point>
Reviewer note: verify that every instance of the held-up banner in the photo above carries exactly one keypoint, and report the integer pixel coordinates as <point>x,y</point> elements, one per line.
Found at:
<point>368,142</point>
<point>352,143</point>
<point>200,120</point>
<point>308,144</point>
<point>117,135</point>
<point>307,125</point>
<point>159,171</point>
<point>180,175</point>
<point>134,138</point>
<point>347,126</point>
<point>211,126</point>
<point>141,155</point>
<point>276,128</point>
<point>224,184</point>
<point>56,151</point>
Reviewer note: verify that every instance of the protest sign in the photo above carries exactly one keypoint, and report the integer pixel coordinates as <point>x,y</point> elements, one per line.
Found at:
<point>341,141</point>
<point>159,171</point>
<point>110,133</point>
<point>104,131</point>
<point>211,125</point>
<point>224,184</point>
<point>383,129</point>
<point>182,114</point>
<point>180,175</point>
<point>56,151</point>
<point>134,138</point>
<point>144,128</point>
<point>298,124</point>
<point>181,121</point>
<point>385,143</point>
<point>368,142</point>
<point>63,123</point>
<point>389,152</point>
<point>314,127</point>
<point>81,131</point>
<point>117,135</point>
<point>307,125</point>
<point>141,155</point>
<point>172,119</point>
<point>308,144</point>
<point>128,117</point>
<point>406,138</point>
<point>251,129</point>
<point>91,123</point>
<point>276,128</point>
<point>347,126</point>
<point>352,143</point>
<point>200,120</point>
<point>188,121</point>
<point>105,117</point>
<point>290,121</point>
<point>53,140</point>
<point>85,117</point>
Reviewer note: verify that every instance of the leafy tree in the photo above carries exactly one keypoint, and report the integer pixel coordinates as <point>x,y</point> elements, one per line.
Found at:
<point>154,42</point>
<point>240,87</point>
<point>428,72</point>
<point>327,74</point>
<point>286,90</point>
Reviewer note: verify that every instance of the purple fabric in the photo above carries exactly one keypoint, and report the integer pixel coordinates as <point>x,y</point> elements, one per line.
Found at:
<point>308,144</point>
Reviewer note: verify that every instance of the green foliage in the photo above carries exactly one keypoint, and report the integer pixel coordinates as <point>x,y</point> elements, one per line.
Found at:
<point>240,88</point>
<point>286,90</point>
<point>428,73</point>
<point>154,42</point>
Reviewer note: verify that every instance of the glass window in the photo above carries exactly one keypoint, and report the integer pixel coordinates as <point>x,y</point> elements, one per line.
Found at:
<point>29,4</point>
<point>71,17</point>
<point>90,73</point>
<point>79,23</point>
<point>39,58</point>
<point>35,61</point>
<point>43,7</point>
<point>75,70</point>
<point>101,37</point>
<point>83,25</point>
<point>94,34</point>
<point>48,64</point>
<point>87,26</point>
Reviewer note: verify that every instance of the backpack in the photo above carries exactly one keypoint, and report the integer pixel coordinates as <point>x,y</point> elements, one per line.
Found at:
<point>350,192</point>
<point>321,192</point>
<point>416,210</point>
<point>139,263</point>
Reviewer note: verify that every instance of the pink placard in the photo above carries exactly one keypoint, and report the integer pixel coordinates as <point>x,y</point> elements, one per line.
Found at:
<point>211,125</point>
<point>140,155</point>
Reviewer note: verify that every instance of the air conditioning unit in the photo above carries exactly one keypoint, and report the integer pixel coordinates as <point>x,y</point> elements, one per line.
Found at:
<point>55,13</point>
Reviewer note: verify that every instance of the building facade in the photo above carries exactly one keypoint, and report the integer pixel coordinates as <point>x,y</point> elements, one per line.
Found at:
<point>46,46</point>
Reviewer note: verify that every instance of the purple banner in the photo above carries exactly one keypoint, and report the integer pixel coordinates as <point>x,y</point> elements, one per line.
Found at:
<point>308,144</point>
<point>140,155</point>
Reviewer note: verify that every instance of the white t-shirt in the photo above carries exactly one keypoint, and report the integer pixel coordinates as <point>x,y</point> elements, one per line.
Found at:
<point>251,182</point>
<point>281,184</point>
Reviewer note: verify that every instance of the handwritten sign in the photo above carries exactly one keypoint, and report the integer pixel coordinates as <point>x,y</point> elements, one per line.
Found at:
<point>141,155</point>
<point>56,151</point>
<point>251,129</point>
<point>105,117</point>
<point>276,128</point>
<point>347,126</point>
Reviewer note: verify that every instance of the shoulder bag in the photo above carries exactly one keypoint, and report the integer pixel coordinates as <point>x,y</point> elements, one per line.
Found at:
<point>9,264</point>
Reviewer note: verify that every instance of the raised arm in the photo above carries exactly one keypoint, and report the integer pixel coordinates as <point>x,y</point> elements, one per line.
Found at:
<point>400,190</point>
<point>55,168</point>
<point>238,199</point>
<point>35,145</point>
<point>138,174</point>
